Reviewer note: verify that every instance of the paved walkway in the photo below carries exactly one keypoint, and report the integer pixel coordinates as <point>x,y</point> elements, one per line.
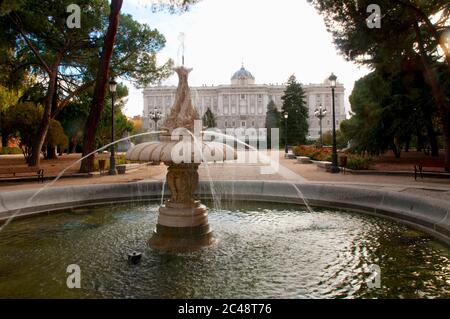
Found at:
<point>288,169</point>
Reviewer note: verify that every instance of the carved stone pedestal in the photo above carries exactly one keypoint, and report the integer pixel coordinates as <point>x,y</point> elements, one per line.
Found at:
<point>182,221</point>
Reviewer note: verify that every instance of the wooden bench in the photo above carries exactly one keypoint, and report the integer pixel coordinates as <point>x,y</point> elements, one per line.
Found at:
<point>15,171</point>
<point>418,167</point>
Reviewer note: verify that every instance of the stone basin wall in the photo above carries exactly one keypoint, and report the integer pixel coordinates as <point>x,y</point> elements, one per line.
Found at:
<point>428,214</point>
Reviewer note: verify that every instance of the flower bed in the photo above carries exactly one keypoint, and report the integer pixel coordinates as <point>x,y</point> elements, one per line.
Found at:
<point>354,162</point>
<point>314,153</point>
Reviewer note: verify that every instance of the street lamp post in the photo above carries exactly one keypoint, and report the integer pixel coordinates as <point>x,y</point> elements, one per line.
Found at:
<point>320,113</point>
<point>334,162</point>
<point>155,116</point>
<point>285,115</point>
<point>112,160</point>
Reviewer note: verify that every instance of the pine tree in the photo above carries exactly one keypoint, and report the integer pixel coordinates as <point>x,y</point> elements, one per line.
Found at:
<point>209,119</point>
<point>294,104</point>
<point>272,120</point>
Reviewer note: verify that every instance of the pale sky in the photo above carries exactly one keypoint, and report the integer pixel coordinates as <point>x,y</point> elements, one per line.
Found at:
<point>273,38</point>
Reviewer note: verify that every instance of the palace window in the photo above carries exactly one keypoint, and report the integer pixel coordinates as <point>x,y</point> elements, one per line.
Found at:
<point>243,123</point>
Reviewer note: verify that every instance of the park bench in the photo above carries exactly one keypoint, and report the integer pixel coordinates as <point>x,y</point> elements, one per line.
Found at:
<point>419,166</point>
<point>20,171</point>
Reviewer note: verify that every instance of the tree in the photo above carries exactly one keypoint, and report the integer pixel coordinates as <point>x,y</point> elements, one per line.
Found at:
<point>121,123</point>
<point>21,122</point>
<point>133,58</point>
<point>410,30</point>
<point>48,47</point>
<point>341,140</point>
<point>67,60</point>
<point>55,139</point>
<point>272,120</point>
<point>35,39</point>
<point>294,104</point>
<point>138,129</point>
<point>73,118</point>
<point>387,112</point>
<point>209,119</point>
<point>8,97</point>
<point>101,81</point>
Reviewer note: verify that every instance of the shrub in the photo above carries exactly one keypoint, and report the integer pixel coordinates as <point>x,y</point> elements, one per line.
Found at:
<point>22,122</point>
<point>55,135</point>
<point>359,163</point>
<point>299,150</point>
<point>10,150</point>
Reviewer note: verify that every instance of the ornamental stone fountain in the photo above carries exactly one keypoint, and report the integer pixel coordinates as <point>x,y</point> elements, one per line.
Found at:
<point>182,220</point>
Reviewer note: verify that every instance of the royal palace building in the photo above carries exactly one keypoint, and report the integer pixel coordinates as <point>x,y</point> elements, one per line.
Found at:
<point>243,104</point>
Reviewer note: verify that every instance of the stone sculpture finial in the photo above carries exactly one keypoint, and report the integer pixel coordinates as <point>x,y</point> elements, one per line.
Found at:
<point>182,113</point>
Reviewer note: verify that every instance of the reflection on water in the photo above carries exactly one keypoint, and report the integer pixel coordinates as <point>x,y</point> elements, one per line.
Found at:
<point>263,251</point>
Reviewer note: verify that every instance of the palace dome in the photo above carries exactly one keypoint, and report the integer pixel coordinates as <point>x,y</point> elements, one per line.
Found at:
<point>242,76</point>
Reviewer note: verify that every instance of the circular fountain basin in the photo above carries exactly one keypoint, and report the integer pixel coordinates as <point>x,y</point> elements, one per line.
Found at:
<point>262,250</point>
<point>428,214</point>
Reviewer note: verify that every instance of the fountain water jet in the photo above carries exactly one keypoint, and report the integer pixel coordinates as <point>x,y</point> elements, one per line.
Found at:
<point>182,220</point>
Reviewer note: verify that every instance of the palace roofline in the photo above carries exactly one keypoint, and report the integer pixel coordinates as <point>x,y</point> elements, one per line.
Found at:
<point>249,86</point>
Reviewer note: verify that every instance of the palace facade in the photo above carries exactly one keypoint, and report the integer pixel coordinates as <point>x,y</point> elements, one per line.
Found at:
<point>243,104</point>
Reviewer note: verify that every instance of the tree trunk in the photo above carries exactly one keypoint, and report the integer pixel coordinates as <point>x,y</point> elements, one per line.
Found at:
<point>432,139</point>
<point>438,95</point>
<point>407,143</point>
<point>4,140</point>
<point>45,121</point>
<point>396,150</point>
<point>419,141</point>
<point>51,152</point>
<point>73,145</point>
<point>431,132</point>
<point>96,108</point>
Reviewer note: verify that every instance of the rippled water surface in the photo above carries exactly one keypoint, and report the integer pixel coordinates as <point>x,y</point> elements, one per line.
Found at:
<point>263,251</point>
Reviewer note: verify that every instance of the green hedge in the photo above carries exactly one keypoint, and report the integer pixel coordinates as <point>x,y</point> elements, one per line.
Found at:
<point>10,150</point>
<point>359,163</point>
